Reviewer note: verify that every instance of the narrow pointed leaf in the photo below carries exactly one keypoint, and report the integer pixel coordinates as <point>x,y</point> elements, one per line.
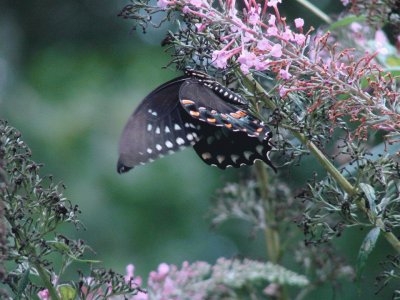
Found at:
<point>369,193</point>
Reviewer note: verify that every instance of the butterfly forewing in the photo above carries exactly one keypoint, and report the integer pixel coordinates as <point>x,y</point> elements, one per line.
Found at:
<point>218,88</point>
<point>203,103</point>
<point>157,127</point>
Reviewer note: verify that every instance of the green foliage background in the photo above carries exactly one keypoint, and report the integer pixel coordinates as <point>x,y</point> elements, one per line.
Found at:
<point>71,73</point>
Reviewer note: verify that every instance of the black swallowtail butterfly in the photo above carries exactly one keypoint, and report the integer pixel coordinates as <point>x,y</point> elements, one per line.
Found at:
<point>194,110</point>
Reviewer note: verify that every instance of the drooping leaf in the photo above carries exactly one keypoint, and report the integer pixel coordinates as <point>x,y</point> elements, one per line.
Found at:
<point>366,248</point>
<point>22,283</point>
<point>346,21</point>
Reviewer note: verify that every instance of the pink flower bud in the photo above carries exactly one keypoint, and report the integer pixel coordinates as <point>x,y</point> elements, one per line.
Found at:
<point>299,22</point>
<point>276,50</point>
<point>163,3</point>
<point>44,295</point>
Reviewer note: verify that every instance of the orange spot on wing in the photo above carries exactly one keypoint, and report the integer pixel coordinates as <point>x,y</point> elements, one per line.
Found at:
<point>211,120</point>
<point>186,102</point>
<point>241,113</point>
<point>228,125</point>
<point>194,113</point>
<point>259,129</point>
<point>235,115</point>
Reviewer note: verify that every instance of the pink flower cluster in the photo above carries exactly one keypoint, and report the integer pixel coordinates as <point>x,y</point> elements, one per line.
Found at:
<point>171,283</point>
<point>197,281</point>
<point>200,280</point>
<point>259,39</point>
<point>255,40</point>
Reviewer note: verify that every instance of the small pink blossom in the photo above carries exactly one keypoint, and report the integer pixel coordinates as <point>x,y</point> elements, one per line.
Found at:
<point>272,20</point>
<point>130,272</point>
<point>220,58</point>
<point>381,38</point>
<point>287,35</point>
<point>381,42</point>
<point>247,58</point>
<point>272,31</point>
<point>161,273</point>
<point>245,69</point>
<point>299,22</point>
<point>140,296</point>
<point>263,44</point>
<point>169,286</point>
<point>248,37</point>
<point>200,26</point>
<point>196,3</point>
<point>356,27</point>
<point>186,9</point>
<point>285,74</point>
<point>272,290</point>
<point>44,295</point>
<point>262,65</point>
<point>299,38</point>
<point>276,50</point>
<point>130,276</point>
<point>163,3</point>
<point>274,2</point>
<point>282,91</point>
<point>253,16</point>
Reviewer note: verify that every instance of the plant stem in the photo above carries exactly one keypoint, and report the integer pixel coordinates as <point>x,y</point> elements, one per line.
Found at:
<point>46,281</point>
<point>331,169</point>
<point>31,252</point>
<point>271,232</point>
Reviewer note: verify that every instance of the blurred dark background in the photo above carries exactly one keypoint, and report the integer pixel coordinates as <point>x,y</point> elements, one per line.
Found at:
<point>71,73</point>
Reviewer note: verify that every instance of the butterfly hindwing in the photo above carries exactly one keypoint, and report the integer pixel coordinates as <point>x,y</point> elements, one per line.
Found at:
<point>201,102</point>
<point>223,148</point>
<point>157,127</point>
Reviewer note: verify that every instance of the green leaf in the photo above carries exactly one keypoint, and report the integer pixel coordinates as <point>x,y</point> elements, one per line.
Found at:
<point>67,292</point>
<point>62,247</point>
<point>366,248</point>
<point>22,283</point>
<point>346,21</point>
<point>369,192</point>
<point>90,261</point>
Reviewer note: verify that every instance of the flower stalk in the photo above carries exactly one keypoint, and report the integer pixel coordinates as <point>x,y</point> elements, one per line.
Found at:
<point>271,229</point>
<point>46,281</point>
